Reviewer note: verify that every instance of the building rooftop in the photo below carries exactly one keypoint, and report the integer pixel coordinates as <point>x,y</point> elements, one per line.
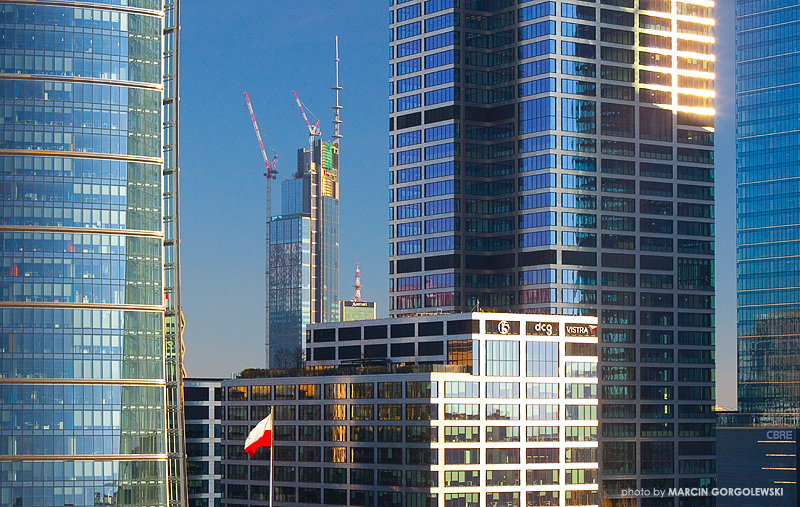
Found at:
<point>372,369</point>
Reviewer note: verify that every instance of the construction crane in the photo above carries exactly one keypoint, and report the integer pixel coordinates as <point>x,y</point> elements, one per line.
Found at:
<point>271,174</point>
<point>313,130</point>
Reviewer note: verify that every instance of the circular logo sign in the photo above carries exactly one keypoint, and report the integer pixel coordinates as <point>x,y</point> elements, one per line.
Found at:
<point>503,327</point>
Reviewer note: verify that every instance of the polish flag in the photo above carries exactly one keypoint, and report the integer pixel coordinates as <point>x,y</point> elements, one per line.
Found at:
<point>260,436</point>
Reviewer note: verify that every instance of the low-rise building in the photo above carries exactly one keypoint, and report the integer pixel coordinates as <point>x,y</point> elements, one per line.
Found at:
<point>753,454</point>
<point>203,415</point>
<point>456,410</point>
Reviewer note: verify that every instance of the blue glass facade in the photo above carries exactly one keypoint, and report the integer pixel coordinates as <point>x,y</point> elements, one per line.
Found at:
<point>304,254</point>
<point>768,200</point>
<point>557,157</point>
<point>82,315</point>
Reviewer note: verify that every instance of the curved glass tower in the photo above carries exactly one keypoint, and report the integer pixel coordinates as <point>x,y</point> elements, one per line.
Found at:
<point>82,356</point>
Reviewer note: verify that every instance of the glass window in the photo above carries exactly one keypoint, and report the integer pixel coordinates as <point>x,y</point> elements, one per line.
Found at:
<point>462,390</point>
<point>462,456</point>
<point>421,412</point>
<point>336,412</point>
<point>390,434</point>
<point>461,478</point>
<point>502,433</point>
<point>335,391</point>
<point>309,413</point>
<point>362,433</point>
<point>541,434</point>
<point>459,411</point>
<point>541,412</point>
<point>261,393</point>
<point>335,455</point>
<point>285,392</point>
<point>502,358</point>
<point>461,434</point>
<point>335,433</point>
<point>422,434</point>
<point>390,412</point>
<point>421,389</point>
<point>502,389</point>
<point>362,391</point>
<point>237,393</point>
<point>310,391</point>
<point>541,359</point>
<point>502,412</point>
<point>361,412</point>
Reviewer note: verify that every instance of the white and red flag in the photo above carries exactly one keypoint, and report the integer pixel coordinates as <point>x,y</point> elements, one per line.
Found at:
<point>260,436</point>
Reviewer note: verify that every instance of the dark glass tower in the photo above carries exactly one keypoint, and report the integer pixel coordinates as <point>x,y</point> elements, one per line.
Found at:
<point>768,199</point>
<point>557,157</point>
<point>304,254</point>
<point>83,385</point>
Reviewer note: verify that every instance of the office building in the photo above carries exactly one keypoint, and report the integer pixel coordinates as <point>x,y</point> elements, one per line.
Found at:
<point>768,269</point>
<point>455,410</point>
<point>304,254</point>
<point>83,416</point>
<point>203,412</point>
<point>356,310</point>
<point>557,157</point>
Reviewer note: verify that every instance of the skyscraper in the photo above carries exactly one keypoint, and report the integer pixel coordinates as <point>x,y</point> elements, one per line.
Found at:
<point>501,117</point>
<point>768,267</point>
<point>304,254</point>
<point>83,386</point>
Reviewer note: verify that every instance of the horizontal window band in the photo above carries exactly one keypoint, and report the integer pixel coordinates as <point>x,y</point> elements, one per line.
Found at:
<point>87,457</point>
<point>81,230</point>
<point>85,80</point>
<point>84,381</point>
<point>81,306</point>
<point>83,154</point>
<point>86,5</point>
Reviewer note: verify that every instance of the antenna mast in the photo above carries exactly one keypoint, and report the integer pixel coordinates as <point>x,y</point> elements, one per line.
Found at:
<point>337,107</point>
<point>358,284</point>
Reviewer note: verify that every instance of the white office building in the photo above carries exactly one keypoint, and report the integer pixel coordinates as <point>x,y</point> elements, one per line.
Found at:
<point>457,410</point>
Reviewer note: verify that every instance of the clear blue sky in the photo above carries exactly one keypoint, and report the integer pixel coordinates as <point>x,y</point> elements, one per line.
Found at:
<point>269,49</point>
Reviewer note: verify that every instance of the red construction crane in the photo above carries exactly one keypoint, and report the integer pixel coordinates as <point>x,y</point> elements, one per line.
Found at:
<point>271,172</point>
<point>313,130</point>
<point>271,175</point>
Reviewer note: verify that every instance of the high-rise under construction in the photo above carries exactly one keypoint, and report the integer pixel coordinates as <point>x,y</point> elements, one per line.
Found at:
<point>304,253</point>
<point>303,246</point>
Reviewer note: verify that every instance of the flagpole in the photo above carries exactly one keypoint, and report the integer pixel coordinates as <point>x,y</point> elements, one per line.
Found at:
<point>271,455</point>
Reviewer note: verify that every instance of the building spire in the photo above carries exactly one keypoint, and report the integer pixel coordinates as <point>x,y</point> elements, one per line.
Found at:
<point>337,107</point>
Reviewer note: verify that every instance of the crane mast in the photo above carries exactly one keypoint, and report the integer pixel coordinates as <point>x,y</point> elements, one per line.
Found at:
<point>270,174</point>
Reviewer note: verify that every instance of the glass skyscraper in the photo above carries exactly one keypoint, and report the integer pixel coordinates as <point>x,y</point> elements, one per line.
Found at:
<point>557,157</point>
<point>768,211</point>
<point>88,164</point>
<point>304,254</point>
